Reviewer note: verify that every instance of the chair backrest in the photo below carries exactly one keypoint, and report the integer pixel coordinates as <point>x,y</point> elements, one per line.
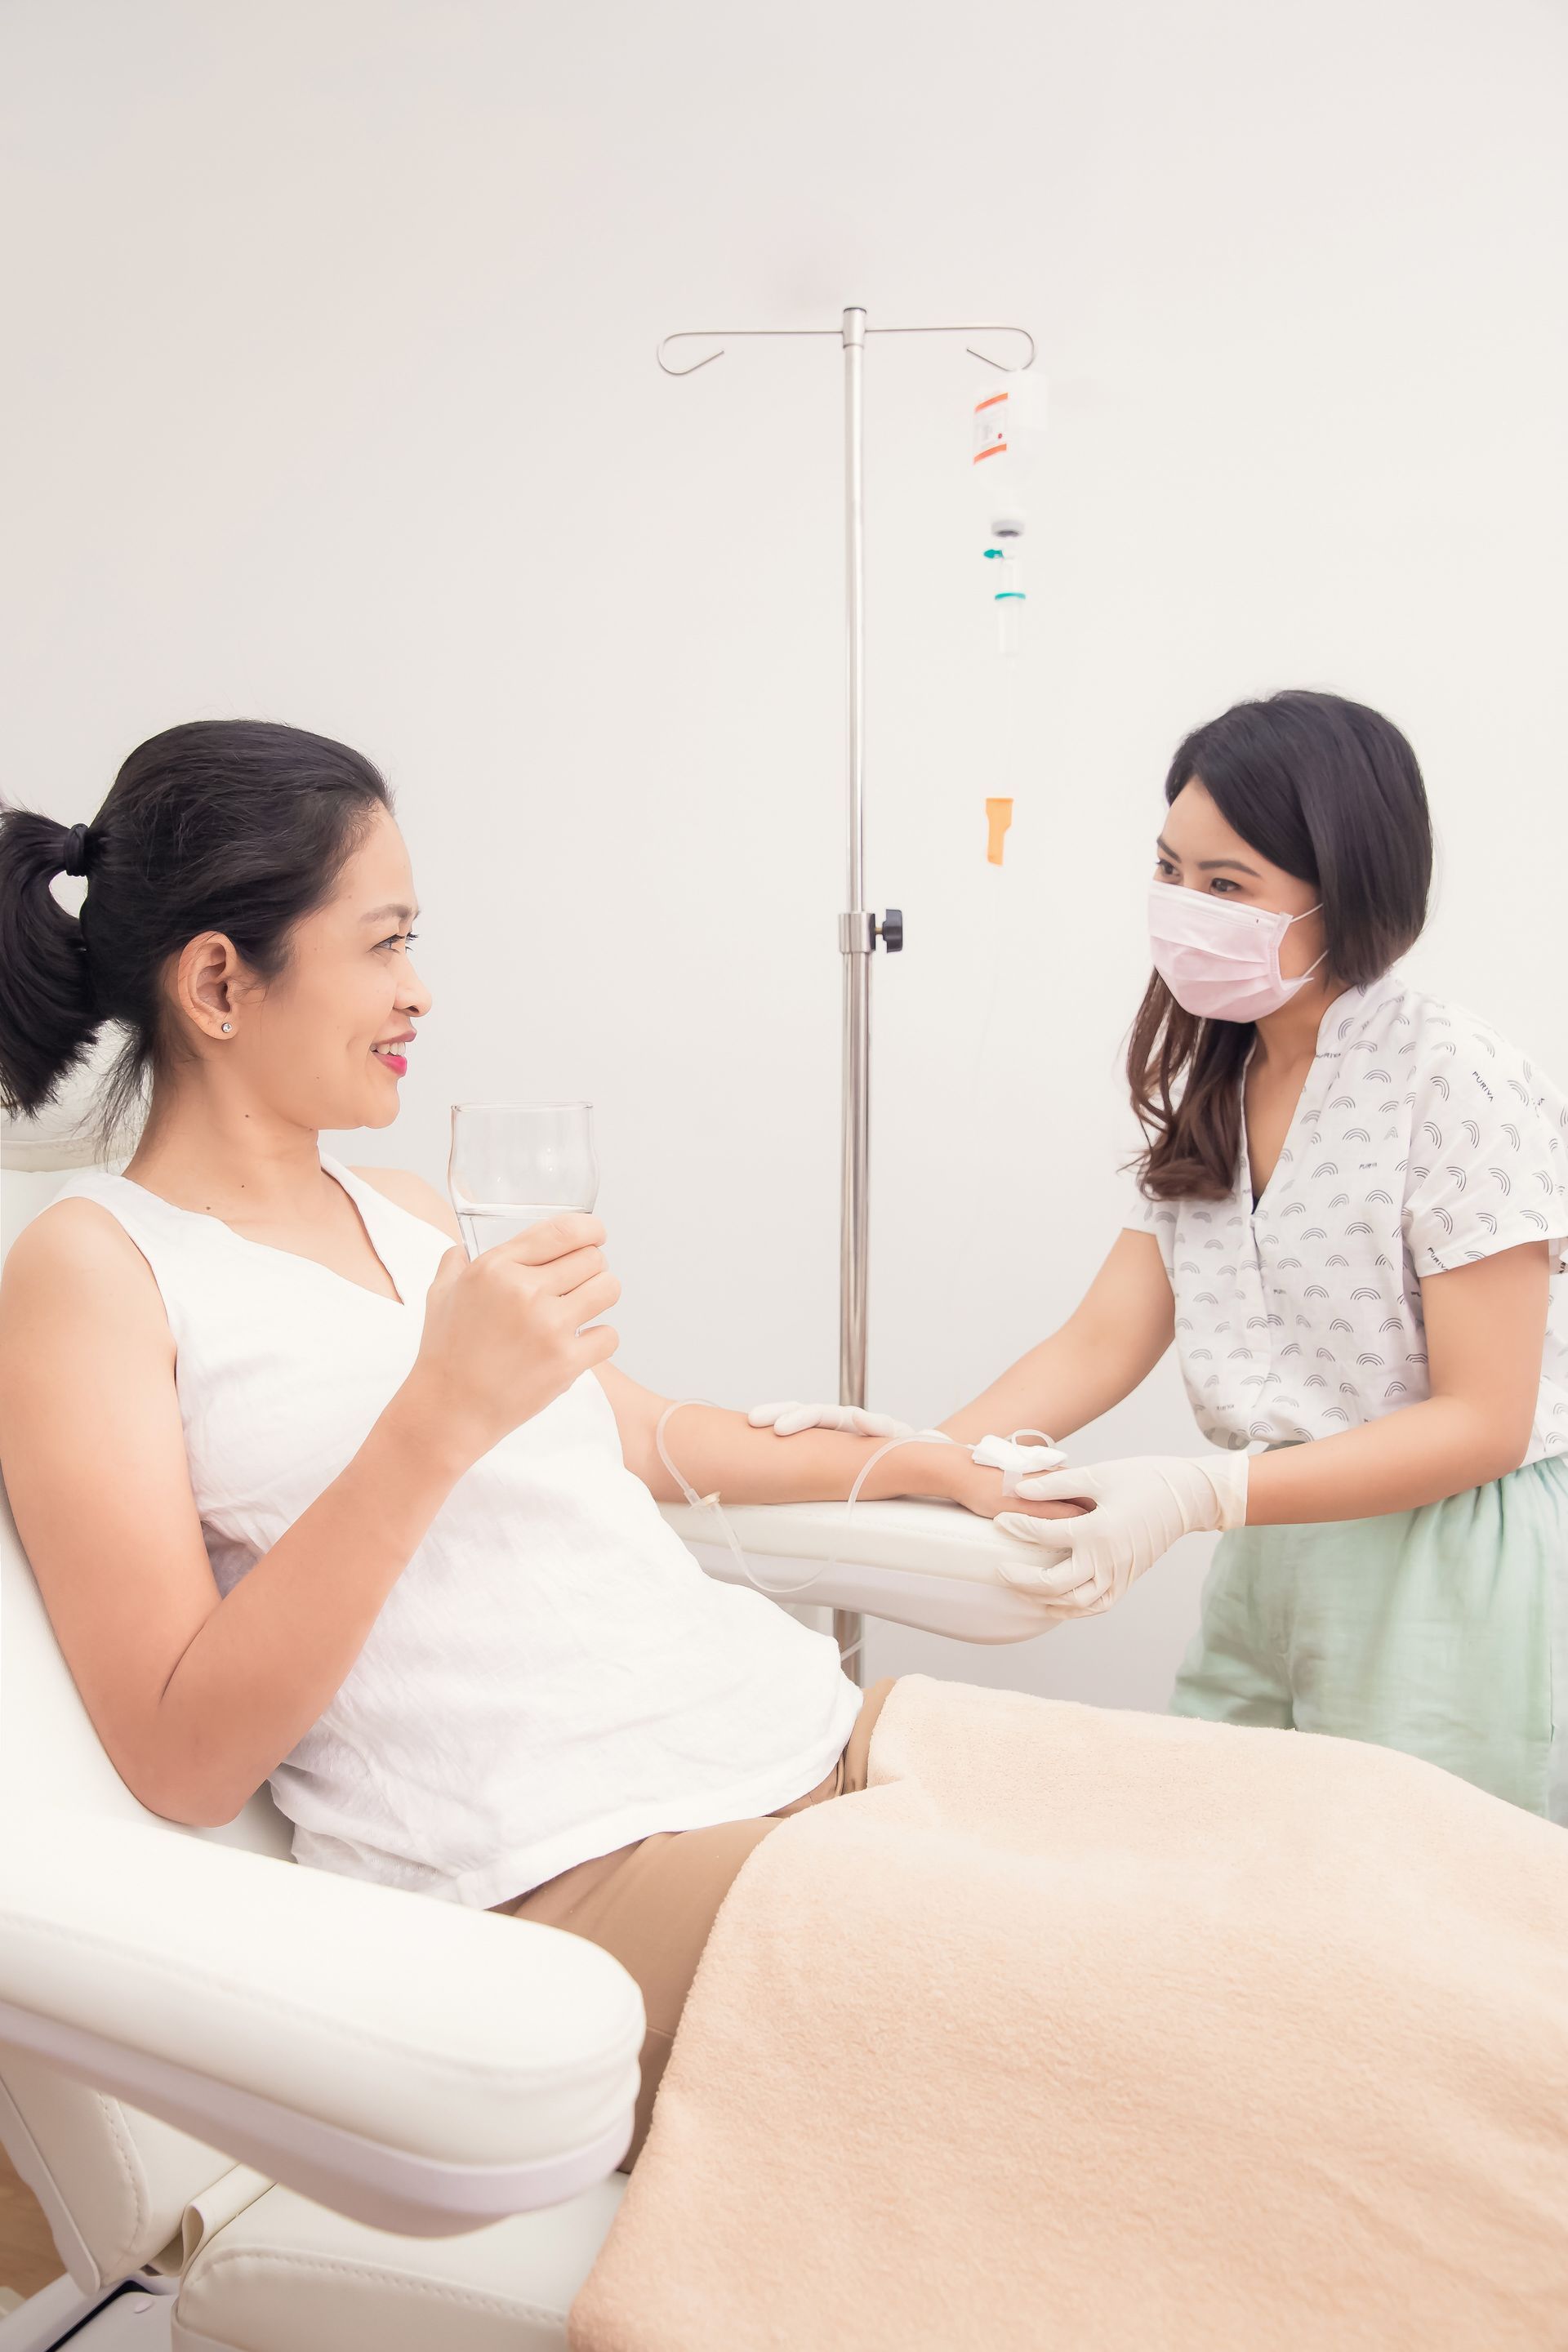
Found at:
<point>115,2184</point>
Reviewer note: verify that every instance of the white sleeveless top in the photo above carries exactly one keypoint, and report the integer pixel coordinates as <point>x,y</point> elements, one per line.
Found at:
<point>552,1675</point>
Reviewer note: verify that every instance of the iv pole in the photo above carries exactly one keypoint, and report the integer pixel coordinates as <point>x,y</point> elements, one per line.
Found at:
<point>858,928</point>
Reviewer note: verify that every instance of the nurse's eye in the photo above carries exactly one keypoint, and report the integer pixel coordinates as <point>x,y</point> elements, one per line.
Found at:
<point>1223,887</point>
<point>400,938</point>
<point>1165,869</point>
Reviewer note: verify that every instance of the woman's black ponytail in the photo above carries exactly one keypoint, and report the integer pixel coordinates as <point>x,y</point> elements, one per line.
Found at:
<point>228,825</point>
<point>47,1019</point>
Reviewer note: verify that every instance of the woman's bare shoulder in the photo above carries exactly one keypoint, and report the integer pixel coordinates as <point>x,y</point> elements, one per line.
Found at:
<point>74,1274</point>
<point>77,1241</point>
<point>413,1193</point>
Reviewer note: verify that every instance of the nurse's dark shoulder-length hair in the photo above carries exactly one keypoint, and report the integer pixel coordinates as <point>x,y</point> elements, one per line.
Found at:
<point>1330,791</point>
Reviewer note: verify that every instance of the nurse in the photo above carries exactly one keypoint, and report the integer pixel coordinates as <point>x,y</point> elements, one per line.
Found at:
<point>1350,1204</point>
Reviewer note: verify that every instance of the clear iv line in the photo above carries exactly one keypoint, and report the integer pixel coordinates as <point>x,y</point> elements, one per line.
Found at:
<point>711,1503</point>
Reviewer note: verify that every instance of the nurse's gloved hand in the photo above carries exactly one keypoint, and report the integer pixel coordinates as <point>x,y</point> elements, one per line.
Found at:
<point>1141,1508</point>
<point>788,1420</point>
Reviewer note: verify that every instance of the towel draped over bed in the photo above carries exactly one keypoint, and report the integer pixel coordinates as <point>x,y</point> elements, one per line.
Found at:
<point>1093,2030</point>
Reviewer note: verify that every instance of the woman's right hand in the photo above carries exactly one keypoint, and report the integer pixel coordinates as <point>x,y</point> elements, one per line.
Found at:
<point>503,1334</point>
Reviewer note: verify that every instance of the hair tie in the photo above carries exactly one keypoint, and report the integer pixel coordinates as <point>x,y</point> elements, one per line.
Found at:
<point>74,856</point>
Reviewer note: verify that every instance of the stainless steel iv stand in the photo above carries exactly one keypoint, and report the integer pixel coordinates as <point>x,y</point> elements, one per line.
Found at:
<point>858,928</point>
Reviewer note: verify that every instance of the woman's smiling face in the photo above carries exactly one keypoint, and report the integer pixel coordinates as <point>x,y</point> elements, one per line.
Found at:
<point>313,1043</point>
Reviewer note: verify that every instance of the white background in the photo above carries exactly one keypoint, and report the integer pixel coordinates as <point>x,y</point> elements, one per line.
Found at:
<point>330,399</point>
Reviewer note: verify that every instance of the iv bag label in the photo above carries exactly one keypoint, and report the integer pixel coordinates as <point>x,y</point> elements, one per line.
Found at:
<point>991,426</point>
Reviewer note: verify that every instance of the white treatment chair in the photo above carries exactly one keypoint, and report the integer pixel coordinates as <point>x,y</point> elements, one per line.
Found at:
<point>269,2109</point>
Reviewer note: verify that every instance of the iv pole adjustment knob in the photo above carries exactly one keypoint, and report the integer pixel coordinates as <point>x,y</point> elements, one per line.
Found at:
<point>859,931</point>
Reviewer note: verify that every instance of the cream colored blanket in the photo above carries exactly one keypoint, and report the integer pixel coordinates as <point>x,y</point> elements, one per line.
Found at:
<point>1114,2033</point>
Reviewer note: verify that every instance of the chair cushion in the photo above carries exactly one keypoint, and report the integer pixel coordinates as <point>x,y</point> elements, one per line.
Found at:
<point>930,1565</point>
<point>288,2272</point>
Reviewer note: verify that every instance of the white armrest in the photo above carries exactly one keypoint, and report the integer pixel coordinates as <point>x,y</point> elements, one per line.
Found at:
<point>415,2064</point>
<point>927,1564</point>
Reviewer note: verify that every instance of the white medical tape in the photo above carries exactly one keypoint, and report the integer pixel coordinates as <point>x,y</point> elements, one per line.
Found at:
<point>1017,1461</point>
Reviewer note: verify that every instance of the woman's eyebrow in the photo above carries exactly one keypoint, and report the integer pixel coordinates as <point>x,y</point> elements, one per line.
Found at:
<point>1209,864</point>
<point>379,914</point>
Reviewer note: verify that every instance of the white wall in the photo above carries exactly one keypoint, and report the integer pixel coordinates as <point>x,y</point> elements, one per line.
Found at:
<point>330,399</point>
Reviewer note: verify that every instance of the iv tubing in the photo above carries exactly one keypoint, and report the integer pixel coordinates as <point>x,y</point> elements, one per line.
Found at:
<point>711,1503</point>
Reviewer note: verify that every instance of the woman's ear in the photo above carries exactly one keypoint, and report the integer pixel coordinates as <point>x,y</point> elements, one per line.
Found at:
<point>205,985</point>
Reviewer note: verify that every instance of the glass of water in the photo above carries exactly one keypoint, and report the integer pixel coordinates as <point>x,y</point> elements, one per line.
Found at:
<point>513,1164</point>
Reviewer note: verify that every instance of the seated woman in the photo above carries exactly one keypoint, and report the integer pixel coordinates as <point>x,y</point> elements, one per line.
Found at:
<point>312,1500</point>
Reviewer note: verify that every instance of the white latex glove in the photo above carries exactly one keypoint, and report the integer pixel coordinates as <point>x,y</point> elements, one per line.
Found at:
<point>789,1419</point>
<point>1141,1508</point>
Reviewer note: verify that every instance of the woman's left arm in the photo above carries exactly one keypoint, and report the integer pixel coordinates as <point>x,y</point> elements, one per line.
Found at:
<point>720,1451</point>
<point>1486,1328</point>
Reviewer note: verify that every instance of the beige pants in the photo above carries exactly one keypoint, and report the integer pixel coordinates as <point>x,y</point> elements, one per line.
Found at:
<point>652,1904</point>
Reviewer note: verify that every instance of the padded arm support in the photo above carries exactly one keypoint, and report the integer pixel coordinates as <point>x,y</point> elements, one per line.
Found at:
<point>933,1565</point>
<point>413,2063</point>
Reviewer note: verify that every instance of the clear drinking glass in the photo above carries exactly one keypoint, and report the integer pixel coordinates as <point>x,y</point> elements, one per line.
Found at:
<point>514,1163</point>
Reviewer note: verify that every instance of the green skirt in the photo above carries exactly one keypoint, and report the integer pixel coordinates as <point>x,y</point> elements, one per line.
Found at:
<point>1443,1632</point>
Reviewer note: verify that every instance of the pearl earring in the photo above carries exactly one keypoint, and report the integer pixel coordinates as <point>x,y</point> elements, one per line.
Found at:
<point>227,1027</point>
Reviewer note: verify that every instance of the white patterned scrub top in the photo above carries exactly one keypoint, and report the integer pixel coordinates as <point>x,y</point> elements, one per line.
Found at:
<point>1422,1141</point>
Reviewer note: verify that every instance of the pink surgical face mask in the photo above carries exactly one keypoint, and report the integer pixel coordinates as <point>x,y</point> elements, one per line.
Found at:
<point>1221,960</point>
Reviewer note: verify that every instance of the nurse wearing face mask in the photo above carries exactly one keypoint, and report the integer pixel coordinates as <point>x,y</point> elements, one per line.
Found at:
<point>1350,1204</point>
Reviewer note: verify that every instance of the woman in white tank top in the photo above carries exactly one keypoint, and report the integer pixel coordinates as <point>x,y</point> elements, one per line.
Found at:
<point>357,1517</point>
